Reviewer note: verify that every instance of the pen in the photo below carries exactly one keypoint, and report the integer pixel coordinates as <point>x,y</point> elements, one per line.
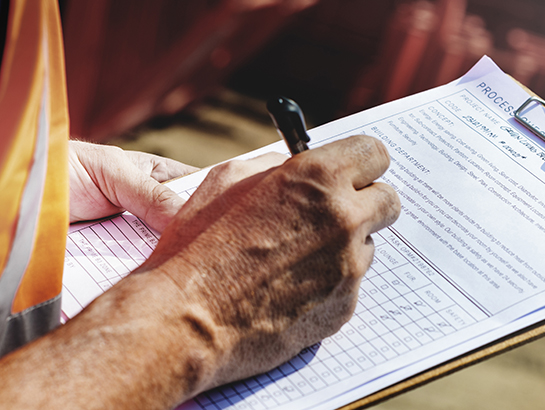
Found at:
<point>289,122</point>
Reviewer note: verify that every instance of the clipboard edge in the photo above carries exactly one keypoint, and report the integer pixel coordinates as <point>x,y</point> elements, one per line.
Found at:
<point>471,358</point>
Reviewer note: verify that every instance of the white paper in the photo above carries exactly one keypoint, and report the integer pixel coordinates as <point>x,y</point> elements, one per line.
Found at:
<point>460,268</point>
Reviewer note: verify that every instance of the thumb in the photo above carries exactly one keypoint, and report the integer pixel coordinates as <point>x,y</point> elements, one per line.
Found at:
<point>149,200</point>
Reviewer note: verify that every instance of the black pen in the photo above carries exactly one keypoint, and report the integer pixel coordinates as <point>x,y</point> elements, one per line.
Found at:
<point>289,122</point>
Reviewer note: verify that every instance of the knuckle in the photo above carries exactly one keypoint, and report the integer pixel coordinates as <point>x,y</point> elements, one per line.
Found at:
<point>318,192</point>
<point>161,196</point>
<point>312,168</point>
<point>307,183</point>
<point>114,149</point>
<point>369,143</point>
<point>378,147</point>
<point>369,149</point>
<point>106,149</point>
<point>227,170</point>
<point>275,157</point>
<point>389,202</point>
<point>385,207</point>
<point>157,164</point>
<point>161,203</point>
<point>346,220</point>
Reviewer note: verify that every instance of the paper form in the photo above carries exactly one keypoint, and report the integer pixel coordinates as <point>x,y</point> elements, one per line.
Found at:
<point>459,269</point>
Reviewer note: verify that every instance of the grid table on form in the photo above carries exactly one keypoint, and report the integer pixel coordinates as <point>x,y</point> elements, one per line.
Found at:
<point>399,309</point>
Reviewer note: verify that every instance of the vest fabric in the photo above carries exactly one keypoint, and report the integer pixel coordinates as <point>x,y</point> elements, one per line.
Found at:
<point>33,172</point>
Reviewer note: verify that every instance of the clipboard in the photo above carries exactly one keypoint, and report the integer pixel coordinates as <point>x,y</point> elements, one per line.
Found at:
<point>502,345</point>
<point>515,337</point>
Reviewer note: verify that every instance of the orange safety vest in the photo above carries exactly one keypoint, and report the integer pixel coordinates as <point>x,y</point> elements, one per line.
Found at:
<point>33,172</point>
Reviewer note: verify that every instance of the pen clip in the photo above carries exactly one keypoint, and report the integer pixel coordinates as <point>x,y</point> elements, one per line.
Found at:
<point>290,123</point>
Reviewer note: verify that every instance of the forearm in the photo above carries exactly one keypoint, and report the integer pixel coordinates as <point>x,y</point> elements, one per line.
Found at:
<point>116,354</point>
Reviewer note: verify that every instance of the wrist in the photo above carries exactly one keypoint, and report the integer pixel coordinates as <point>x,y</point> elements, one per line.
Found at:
<point>156,341</point>
<point>190,346</point>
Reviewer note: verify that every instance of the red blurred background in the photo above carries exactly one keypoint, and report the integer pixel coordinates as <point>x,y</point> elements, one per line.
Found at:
<point>132,60</point>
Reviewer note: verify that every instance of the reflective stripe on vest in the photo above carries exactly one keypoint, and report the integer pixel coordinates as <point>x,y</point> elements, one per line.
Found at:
<point>27,221</point>
<point>34,179</point>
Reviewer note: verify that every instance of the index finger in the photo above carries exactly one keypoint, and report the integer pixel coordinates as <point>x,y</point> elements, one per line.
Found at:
<point>359,159</point>
<point>159,168</point>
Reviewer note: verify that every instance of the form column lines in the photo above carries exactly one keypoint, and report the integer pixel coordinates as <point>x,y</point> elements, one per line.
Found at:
<point>411,279</point>
<point>66,290</point>
<point>144,238</point>
<point>103,259</point>
<point>127,238</point>
<point>441,273</point>
<point>127,268</point>
<point>271,391</point>
<point>361,343</point>
<point>86,257</point>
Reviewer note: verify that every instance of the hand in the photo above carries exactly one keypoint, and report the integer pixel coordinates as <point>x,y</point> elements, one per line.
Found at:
<point>269,256</point>
<point>105,180</point>
<point>264,259</point>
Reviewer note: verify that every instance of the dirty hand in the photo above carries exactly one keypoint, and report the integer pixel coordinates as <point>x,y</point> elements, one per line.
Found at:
<point>268,254</point>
